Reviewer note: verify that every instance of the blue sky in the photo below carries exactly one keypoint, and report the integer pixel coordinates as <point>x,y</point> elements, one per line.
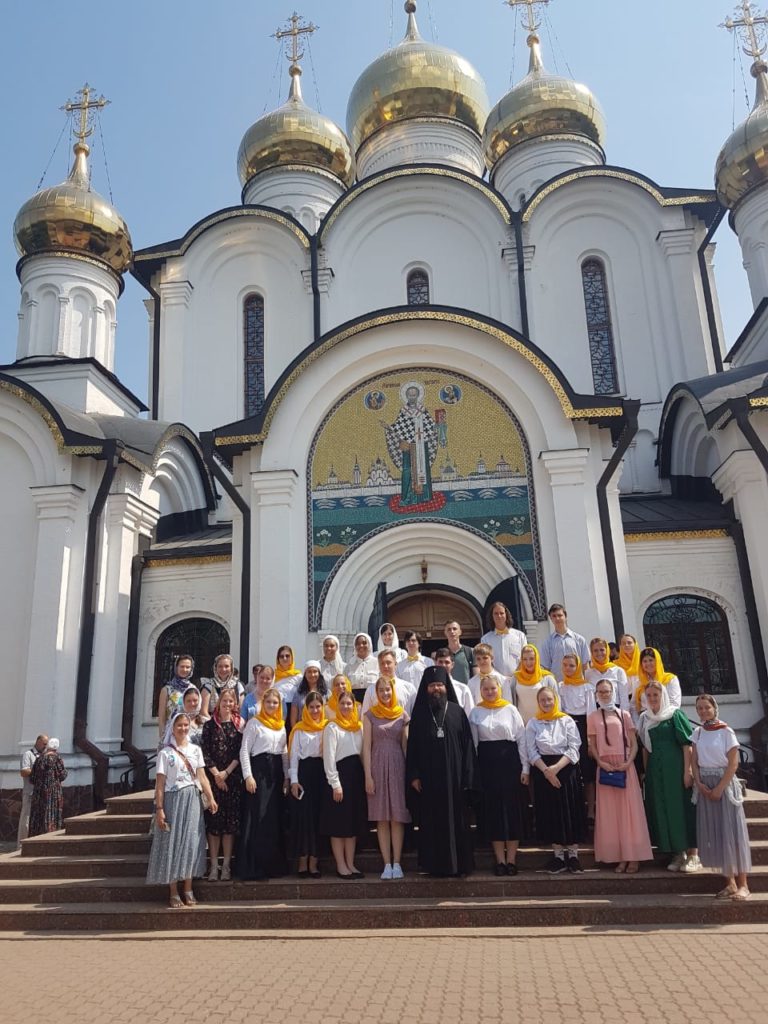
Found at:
<point>187,77</point>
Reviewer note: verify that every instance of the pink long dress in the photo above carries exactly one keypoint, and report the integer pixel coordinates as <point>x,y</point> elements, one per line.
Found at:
<point>621,829</point>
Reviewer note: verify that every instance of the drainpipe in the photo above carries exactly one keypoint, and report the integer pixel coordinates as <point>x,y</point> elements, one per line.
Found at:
<point>709,302</point>
<point>137,757</point>
<point>206,440</point>
<point>518,224</point>
<point>631,411</point>
<point>315,264</point>
<point>87,625</point>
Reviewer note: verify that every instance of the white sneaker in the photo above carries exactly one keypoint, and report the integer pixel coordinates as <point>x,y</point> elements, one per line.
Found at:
<point>397,871</point>
<point>226,873</point>
<point>386,874</point>
<point>678,862</point>
<point>213,874</point>
<point>692,864</point>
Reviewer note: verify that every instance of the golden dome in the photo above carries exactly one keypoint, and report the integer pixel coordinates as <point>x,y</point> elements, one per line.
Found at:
<point>415,79</point>
<point>743,160</point>
<point>541,104</point>
<point>70,217</point>
<point>295,134</point>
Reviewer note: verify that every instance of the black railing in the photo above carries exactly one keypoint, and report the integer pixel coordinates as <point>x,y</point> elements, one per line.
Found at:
<point>136,777</point>
<point>753,767</point>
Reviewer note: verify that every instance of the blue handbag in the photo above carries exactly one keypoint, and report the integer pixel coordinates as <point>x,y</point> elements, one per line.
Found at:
<point>617,779</point>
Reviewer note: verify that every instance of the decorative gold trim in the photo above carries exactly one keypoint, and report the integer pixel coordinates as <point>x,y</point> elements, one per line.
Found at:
<point>19,392</point>
<point>759,403</point>
<point>633,179</point>
<point>424,314</point>
<point>405,172</point>
<point>133,461</point>
<point>636,538</point>
<point>157,563</point>
<point>244,211</point>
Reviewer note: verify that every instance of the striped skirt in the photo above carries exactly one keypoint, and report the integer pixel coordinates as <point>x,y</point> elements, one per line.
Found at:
<point>180,852</point>
<point>721,827</point>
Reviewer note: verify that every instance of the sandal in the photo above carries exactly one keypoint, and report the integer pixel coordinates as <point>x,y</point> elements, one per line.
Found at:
<point>726,893</point>
<point>633,867</point>
<point>189,899</point>
<point>741,893</point>
<point>620,868</point>
<point>175,903</point>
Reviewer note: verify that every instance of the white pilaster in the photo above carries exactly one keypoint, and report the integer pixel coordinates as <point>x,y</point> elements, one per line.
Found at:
<point>692,355</point>
<point>277,560</point>
<point>175,297</point>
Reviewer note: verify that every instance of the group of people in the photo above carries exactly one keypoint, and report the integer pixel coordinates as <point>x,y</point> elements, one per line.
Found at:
<point>534,745</point>
<point>42,772</point>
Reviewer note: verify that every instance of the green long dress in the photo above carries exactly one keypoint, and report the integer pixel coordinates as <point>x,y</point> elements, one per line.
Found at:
<point>671,815</point>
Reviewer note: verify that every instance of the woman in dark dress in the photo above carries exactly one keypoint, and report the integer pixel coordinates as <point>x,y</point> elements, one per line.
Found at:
<point>48,773</point>
<point>305,752</point>
<point>221,749</point>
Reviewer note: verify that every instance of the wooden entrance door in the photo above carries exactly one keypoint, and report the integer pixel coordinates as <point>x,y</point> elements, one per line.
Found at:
<point>427,611</point>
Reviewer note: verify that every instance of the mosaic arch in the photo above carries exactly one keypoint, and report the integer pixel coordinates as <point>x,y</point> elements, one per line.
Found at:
<point>420,445</point>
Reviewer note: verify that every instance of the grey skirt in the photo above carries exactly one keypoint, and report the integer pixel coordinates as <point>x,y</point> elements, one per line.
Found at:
<point>721,827</point>
<point>179,853</point>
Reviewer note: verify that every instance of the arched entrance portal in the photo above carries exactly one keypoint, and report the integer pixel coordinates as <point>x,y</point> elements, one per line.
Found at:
<point>427,609</point>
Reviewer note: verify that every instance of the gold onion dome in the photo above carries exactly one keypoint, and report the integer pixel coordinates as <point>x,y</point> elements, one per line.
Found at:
<point>415,79</point>
<point>743,160</point>
<point>72,218</point>
<point>539,105</point>
<point>295,135</point>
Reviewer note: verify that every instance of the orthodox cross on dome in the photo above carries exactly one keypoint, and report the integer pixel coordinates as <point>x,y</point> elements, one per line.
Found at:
<point>752,29</point>
<point>85,102</point>
<point>298,28</point>
<point>530,23</point>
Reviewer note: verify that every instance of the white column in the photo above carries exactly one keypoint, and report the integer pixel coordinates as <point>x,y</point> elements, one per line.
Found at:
<point>692,357</point>
<point>626,596</point>
<point>175,298</point>
<point>125,519</point>
<point>278,559</point>
<point>49,691</point>
<point>579,545</point>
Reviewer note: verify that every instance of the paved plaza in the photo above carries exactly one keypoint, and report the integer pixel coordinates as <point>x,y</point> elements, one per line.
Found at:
<point>573,976</point>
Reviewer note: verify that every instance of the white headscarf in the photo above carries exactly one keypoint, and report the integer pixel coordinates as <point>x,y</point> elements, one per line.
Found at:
<point>611,704</point>
<point>395,641</point>
<point>362,671</point>
<point>191,715</point>
<point>329,669</point>
<point>649,719</point>
<point>53,744</point>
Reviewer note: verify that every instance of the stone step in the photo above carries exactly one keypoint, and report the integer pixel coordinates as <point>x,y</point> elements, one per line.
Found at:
<point>131,803</point>
<point>59,844</point>
<point>313,892</point>
<point>15,867</point>
<point>758,828</point>
<point>592,911</point>
<point>99,823</point>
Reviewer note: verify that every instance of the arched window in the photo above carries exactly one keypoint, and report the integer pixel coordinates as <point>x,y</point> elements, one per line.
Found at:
<point>692,635</point>
<point>418,288</point>
<point>599,329</point>
<point>253,353</point>
<point>203,639</point>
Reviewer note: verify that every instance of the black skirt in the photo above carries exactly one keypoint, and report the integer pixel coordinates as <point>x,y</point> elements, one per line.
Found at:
<point>561,817</point>
<point>503,806</point>
<point>350,817</point>
<point>260,847</point>
<point>304,838</point>
<point>586,764</point>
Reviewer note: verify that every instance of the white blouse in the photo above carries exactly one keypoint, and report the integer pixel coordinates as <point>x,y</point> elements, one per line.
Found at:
<point>505,684</point>
<point>329,670</point>
<point>304,744</point>
<point>507,649</point>
<point>558,736</point>
<point>174,768</point>
<point>361,673</point>
<point>489,724</point>
<point>619,679</point>
<point>404,691</point>
<point>713,745</point>
<point>287,689</point>
<point>577,700</point>
<point>412,671</point>
<point>338,744</point>
<point>260,739</point>
<point>463,696</point>
<point>525,696</point>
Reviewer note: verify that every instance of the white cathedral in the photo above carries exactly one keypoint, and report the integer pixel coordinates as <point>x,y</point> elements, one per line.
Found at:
<point>449,283</point>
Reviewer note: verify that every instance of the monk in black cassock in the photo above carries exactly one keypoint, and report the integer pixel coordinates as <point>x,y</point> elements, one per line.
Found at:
<point>440,767</point>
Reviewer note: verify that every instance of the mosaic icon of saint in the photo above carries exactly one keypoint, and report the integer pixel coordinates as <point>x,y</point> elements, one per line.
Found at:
<point>412,445</point>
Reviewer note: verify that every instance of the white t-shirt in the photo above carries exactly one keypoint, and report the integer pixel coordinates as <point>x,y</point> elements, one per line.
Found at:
<point>713,745</point>
<point>175,768</point>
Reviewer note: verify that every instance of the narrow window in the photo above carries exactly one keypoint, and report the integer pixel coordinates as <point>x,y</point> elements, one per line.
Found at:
<point>253,349</point>
<point>599,330</point>
<point>691,633</point>
<point>418,288</point>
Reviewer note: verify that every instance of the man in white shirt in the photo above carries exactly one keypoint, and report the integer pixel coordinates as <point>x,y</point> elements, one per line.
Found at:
<point>444,658</point>
<point>560,642</point>
<point>406,692</point>
<point>485,666</point>
<point>412,667</point>
<point>506,642</point>
<point>28,759</point>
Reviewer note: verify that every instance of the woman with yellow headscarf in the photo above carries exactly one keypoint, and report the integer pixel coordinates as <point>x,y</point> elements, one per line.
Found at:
<point>305,748</point>
<point>344,811</point>
<point>577,699</point>
<point>385,735</point>
<point>652,671</point>
<point>553,745</point>
<point>339,685</point>
<point>529,679</point>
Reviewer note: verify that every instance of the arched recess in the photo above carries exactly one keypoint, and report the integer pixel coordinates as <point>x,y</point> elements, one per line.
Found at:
<point>426,608</point>
<point>201,637</point>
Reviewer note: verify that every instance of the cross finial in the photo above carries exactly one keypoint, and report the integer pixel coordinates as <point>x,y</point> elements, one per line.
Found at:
<point>752,29</point>
<point>530,23</point>
<point>298,28</point>
<point>85,102</point>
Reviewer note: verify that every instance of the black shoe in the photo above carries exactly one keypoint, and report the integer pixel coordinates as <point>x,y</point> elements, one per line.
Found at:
<point>315,874</point>
<point>574,866</point>
<point>500,869</point>
<point>302,874</point>
<point>555,865</point>
<point>357,874</point>
<point>345,877</point>
<point>511,869</point>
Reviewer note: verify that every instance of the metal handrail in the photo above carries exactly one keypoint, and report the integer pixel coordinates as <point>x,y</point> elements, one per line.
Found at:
<point>136,776</point>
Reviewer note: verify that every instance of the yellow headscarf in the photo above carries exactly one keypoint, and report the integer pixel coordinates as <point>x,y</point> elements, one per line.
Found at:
<point>333,700</point>
<point>577,679</point>
<point>659,676</point>
<point>349,723</point>
<point>308,724</point>
<point>286,673</point>
<point>499,702</point>
<point>275,721</point>
<point>601,666</point>
<point>390,711</point>
<point>549,716</point>
<point>530,678</point>
<point>631,665</point>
